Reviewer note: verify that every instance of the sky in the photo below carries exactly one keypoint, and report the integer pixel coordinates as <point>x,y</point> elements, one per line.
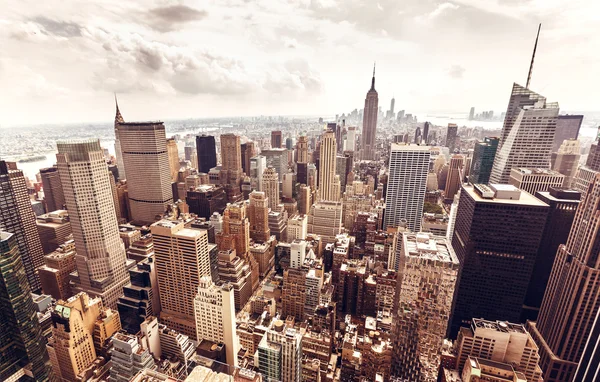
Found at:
<point>62,60</point>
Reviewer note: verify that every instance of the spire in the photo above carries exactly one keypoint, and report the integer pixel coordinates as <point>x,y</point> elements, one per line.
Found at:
<point>533,57</point>
<point>118,116</point>
<point>373,79</point>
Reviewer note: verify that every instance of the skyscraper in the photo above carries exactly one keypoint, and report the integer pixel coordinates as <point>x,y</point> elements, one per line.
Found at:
<point>280,354</point>
<point>302,149</point>
<point>54,198</point>
<point>118,152</point>
<point>567,127</point>
<point>146,161</point>
<point>571,301</point>
<point>258,164</point>
<point>206,150</point>
<point>427,277</point>
<point>496,238</point>
<point>533,180</point>
<point>426,126</point>
<point>248,151</point>
<point>276,139</point>
<point>182,258</point>
<point>22,346</point>
<point>270,182</point>
<point>528,132</point>
<point>454,179</point>
<point>566,160</point>
<point>258,213</point>
<point>173,155</point>
<point>369,127</point>
<point>472,113</point>
<point>215,317</point>
<point>327,166</point>
<point>17,217</point>
<point>231,166</point>
<point>451,135</point>
<point>406,186</point>
<point>100,259</point>
<point>588,369</point>
<point>483,160</point>
<point>563,205</point>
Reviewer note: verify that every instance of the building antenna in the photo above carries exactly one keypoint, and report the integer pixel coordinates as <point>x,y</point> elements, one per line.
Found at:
<point>533,56</point>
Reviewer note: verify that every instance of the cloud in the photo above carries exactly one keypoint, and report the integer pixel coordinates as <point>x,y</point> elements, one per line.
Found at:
<point>436,13</point>
<point>58,28</point>
<point>293,76</point>
<point>169,18</point>
<point>456,71</point>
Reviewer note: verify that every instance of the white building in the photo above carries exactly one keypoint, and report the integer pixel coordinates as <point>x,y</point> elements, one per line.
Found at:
<point>407,184</point>
<point>297,227</point>
<point>258,164</point>
<point>297,253</point>
<point>280,354</point>
<point>215,316</point>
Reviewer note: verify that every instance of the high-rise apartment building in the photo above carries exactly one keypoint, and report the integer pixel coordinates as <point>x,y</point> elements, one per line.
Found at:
<point>533,180</point>
<point>563,205</point>
<point>54,229</point>
<point>567,128</point>
<point>428,267</point>
<point>258,214</point>
<point>173,154</point>
<point>54,275</point>
<point>499,341</point>
<point>79,325</point>
<point>215,316</point>
<point>280,354</point>
<point>369,127</point>
<point>22,347</point>
<point>54,198</point>
<point>454,179</point>
<point>100,261</point>
<point>293,294</point>
<point>270,184</point>
<point>527,135</point>
<point>17,217</point>
<point>207,153</point>
<point>407,183</point>
<point>146,161</point>
<point>325,220</point>
<point>327,167</point>
<point>566,160</point>
<point>451,135</point>
<point>128,357</point>
<point>235,271</point>
<point>483,160</point>
<point>182,258</point>
<point>276,139</point>
<point>571,301</point>
<point>496,238</point>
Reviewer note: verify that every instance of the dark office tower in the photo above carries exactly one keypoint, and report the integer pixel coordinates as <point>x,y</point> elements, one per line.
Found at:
<point>567,127</point>
<point>276,139</point>
<point>593,159</point>
<point>571,301</point>
<point>206,150</point>
<point>392,104</point>
<point>289,143</point>
<point>496,238</point>
<point>206,199</point>
<point>451,135</point>
<point>588,369</point>
<point>426,126</point>
<point>302,173</point>
<point>369,127</point>
<point>54,197</point>
<point>483,160</point>
<point>563,205</point>
<point>146,160</point>
<point>22,346</point>
<point>472,114</point>
<point>418,136</point>
<point>140,298</point>
<point>248,151</point>
<point>18,218</point>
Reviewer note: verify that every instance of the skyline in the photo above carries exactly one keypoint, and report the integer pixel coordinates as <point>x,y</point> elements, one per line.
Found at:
<point>248,59</point>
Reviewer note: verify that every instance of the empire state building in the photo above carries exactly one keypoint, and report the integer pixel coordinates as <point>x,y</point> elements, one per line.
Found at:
<point>370,122</point>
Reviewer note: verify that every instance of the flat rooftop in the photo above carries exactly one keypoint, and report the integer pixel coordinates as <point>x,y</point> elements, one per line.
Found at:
<point>525,199</point>
<point>536,171</point>
<point>428,246</point>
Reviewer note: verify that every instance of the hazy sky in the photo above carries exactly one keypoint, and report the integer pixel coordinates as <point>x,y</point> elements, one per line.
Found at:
<point>62,60</point>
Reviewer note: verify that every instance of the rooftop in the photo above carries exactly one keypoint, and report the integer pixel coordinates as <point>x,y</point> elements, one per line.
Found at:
<point>428,246</point>
<point>536,171</point>
<point>525,198</point>
<point>500,326</point>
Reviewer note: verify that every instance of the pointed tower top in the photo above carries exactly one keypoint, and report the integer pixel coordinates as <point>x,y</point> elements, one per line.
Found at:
<point>118,116</point>
<point>373,79</point>
<point>533,57</point>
